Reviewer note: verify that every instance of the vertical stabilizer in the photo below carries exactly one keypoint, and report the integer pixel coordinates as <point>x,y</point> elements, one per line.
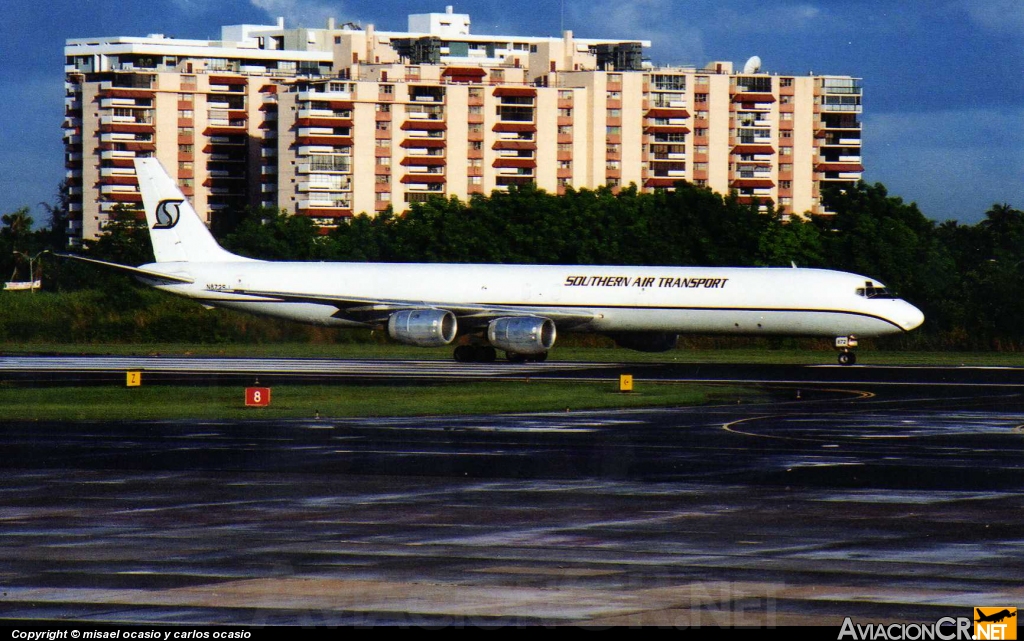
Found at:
<point>178,234</point>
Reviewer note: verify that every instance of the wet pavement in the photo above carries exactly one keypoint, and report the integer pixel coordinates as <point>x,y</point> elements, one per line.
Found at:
<point>881,503</point>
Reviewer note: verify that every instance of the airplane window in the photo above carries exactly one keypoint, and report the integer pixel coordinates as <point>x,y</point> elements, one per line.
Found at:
<point>875,292</point>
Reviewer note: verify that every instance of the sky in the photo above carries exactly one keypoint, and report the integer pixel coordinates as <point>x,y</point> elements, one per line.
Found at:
<point>943,80</point>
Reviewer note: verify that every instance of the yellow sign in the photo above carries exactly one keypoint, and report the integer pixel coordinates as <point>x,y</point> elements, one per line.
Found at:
<point>626,383</point>
<point>134,379</point>
<point>995,623</point>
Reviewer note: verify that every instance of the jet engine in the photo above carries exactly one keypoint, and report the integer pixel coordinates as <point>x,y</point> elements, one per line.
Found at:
<point>423,327</point>
<point>522,334</point>
<point>645,341</point>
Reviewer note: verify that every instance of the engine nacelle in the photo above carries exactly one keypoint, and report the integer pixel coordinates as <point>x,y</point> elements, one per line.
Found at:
<point>423,327</point>
<point>645,341</point>
<point>522,334</point>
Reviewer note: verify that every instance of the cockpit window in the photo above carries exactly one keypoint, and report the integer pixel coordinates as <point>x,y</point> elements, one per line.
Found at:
<point>875,292</point>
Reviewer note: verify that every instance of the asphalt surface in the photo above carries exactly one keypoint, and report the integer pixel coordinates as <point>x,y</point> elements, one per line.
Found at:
<point>883,494</point>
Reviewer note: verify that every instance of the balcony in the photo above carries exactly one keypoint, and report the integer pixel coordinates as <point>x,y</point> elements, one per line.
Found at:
<point>316,202</point>
<point>429,133</point>
<point>313,112</point>
<point>342,165</point>
<point>314,187</point>
<point>117,171</point>
<point>324,95</point>
<point>112,154</point>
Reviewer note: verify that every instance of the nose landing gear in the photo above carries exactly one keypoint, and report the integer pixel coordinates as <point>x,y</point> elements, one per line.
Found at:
<point>845,344</point>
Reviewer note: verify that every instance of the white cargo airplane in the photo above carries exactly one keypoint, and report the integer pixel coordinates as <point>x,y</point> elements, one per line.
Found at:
<point>514,308</point>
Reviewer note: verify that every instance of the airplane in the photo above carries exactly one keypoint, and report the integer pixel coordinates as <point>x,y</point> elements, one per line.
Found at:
<point>519,309</point>
<point>995,617</point>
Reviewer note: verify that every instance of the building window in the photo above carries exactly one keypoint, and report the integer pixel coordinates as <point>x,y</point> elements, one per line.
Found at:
<point>384,196</point>
<point>383,107</point>
<point>476,145</point>
<point>785,151</point>
<point>185,113</point>
<point>701,149</point>
<point>787,115</point>
<point>186,149</point>
<point>786,133</point>
<point>185,131</point>
<point>564,130</point>
<point>614,113</point>
<point>475,110</point>
<point>613,131</point>
<point>384,161</point>
<point>700,98</point>
<point>785,82</point>
<point>785,100</point>
<point>476,128</point>
<point>476,180</point>
<point>387,89</point>
<point>785,184</point>
<point>383,142</point>
<point>786,167</point>
<point>383,125</point>
<point>700,132</point>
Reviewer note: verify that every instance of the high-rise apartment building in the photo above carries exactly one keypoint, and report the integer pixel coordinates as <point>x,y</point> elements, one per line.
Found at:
<point>333,122</point>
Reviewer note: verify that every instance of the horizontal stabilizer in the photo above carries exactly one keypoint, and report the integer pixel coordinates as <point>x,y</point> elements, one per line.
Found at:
<point>142,273</point>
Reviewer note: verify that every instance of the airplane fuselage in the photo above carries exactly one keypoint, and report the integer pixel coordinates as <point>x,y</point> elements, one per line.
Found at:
<point>712,300</point>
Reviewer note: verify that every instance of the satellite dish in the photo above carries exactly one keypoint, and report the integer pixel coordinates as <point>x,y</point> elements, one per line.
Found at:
<point>753,65</point>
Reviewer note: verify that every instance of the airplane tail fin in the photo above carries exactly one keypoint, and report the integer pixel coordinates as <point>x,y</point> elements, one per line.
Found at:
<point>177,232</point>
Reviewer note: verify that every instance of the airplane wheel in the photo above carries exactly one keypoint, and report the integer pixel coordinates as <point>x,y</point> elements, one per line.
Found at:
<point>515,358</point>
<point>486,354</point>
<point>475,354</point>
<point>847,358</point>
<point>540,358</point>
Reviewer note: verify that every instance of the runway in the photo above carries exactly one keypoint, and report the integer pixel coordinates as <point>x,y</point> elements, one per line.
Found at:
<point>165,369</point>
<point>881,501</point>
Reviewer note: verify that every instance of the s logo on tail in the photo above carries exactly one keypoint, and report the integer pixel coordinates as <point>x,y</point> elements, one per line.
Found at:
<point>167,214</point>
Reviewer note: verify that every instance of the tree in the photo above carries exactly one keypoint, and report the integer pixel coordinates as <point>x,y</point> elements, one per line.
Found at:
<point>125,239</point>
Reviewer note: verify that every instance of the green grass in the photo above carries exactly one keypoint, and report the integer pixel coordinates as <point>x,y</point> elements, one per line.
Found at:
<point>560,353</point>
<point>304,401</point>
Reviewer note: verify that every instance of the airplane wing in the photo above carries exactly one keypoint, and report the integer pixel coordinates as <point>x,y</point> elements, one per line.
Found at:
<point>135,271</point>
<point>369,310</point>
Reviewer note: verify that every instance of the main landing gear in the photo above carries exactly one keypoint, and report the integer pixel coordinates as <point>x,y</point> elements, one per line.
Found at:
<point>487,354</point>
<point>514,357</point>
<point>845,344</point>
<point>475,354</point>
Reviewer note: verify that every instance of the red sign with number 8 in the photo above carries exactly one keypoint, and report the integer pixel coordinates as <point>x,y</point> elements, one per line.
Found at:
<point>257,396</point>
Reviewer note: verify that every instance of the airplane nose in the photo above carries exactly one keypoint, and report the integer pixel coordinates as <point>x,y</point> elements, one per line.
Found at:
<point>912,318</point>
